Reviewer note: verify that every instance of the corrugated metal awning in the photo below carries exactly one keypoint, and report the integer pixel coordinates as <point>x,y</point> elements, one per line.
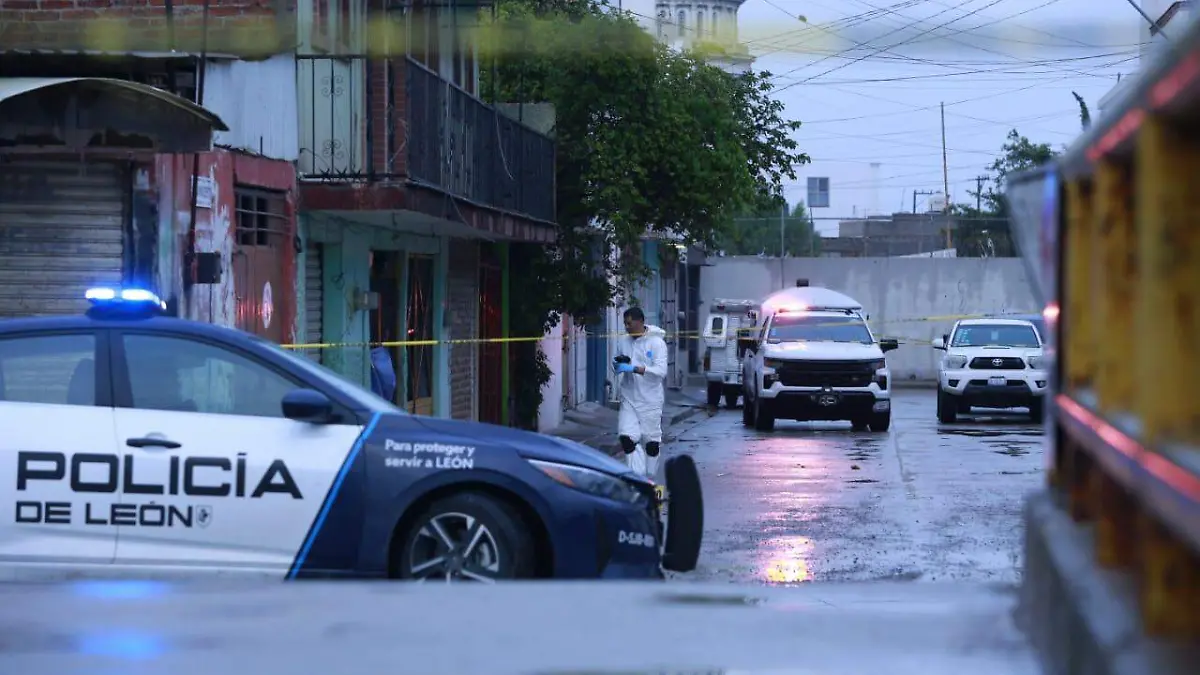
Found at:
<point>14,87</point>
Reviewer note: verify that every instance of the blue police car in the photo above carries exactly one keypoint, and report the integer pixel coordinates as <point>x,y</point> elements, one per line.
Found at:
<point>140,445</point>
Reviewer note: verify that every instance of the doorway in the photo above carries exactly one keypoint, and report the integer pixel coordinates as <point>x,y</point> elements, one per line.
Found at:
<point>386,270</point>
<point>491,327</point>
<point>419,322</point>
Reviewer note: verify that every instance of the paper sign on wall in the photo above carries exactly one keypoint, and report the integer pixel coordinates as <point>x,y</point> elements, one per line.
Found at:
<point>205,189</point>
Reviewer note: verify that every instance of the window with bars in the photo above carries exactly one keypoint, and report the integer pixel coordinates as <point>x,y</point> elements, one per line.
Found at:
<point>261,214</point>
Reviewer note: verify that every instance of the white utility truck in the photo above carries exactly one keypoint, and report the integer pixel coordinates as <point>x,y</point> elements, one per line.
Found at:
<point>727,320</point>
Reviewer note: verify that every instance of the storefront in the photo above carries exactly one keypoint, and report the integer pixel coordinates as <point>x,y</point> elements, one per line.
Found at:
<point>70,149</point>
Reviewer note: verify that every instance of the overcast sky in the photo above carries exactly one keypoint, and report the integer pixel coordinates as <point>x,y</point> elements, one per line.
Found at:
<point>861,104</point>
<point>897,122</point>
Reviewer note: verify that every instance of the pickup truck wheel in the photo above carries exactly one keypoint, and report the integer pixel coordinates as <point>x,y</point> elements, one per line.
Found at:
<point>747,412</point>
<point>947,408</point>
<point>763,419</point>
<point>1037,410</point>
<point>881,422</point>
<point>714,394</point>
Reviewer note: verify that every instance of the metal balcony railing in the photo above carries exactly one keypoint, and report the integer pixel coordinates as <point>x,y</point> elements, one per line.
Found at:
<point>465,147</point>
<point>372,120</point>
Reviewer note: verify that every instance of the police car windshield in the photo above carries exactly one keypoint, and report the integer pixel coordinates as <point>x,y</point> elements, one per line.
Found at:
<point>995,335</point>
<point>356,391</point>
<point>813,328</point>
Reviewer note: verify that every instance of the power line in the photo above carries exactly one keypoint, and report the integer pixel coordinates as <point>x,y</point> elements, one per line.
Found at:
<point>892,32</point>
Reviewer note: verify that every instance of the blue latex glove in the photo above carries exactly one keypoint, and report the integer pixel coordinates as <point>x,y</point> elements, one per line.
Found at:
<point>625,368</point>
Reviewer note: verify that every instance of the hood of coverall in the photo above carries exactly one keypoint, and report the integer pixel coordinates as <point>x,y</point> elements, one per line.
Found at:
<point>645,393</point>
<point>651,331</point>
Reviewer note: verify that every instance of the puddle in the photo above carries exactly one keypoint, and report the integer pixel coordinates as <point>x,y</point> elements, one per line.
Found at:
<point>990,433</point>
<point>863,480</point>
<point>1012,451</point>
<point>709,599</point>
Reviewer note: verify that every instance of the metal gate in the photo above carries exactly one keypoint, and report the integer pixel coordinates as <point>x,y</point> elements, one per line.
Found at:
<point>491,354</point>
<point>669,315</point>
<point>260,287</point>
<point>313,298</point>
<point>62,230</point>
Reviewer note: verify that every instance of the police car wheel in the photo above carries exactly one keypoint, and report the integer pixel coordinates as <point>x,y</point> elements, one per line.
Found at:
<point>467,537</point>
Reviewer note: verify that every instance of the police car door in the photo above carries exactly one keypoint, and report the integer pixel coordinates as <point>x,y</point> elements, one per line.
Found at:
<point>222,481</point>
<point>58,449</point>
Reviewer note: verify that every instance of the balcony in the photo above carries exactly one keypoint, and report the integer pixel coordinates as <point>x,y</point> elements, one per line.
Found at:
<point>395,121</point>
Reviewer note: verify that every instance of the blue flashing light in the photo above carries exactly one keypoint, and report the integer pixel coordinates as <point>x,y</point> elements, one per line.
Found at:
<point>131,298</point>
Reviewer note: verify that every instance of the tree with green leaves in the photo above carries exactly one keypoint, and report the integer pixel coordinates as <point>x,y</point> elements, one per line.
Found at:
<point>984,232</point>
<point>757,232</point>
<point>1085,115</point>
<point>650,142</point>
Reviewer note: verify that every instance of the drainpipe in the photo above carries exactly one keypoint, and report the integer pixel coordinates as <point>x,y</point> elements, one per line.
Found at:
<point>190,254</point>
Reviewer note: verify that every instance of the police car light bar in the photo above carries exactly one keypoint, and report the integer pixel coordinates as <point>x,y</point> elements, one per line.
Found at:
<point>131,296</point>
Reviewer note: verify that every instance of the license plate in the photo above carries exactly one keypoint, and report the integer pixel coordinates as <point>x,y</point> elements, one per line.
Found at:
<point>997,381</point>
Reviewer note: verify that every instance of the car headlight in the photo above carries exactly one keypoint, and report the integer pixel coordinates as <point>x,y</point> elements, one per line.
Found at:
<point>589,481</point>
<point>878,365</point>
<point>955,362</point>
<point>1037,362</point>
<point>772,363</point>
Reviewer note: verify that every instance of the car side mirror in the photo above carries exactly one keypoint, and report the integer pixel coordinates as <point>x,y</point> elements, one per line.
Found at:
<point>307,405</point>
<point>939,343</point>
<point>888,344</point>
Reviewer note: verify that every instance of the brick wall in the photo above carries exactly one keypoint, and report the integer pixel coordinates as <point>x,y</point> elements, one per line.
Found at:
<point>388,122</point>
<point>234,26</point>
<point>462,306</point>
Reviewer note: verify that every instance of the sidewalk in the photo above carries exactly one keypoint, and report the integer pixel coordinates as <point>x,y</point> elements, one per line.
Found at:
<point>595,424</point>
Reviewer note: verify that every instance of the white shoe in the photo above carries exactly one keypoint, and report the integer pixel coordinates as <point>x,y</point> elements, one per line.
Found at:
<point>637,460</point>
<point>651,467</point>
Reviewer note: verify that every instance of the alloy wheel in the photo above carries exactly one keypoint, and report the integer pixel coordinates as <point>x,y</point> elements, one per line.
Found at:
<point>454,547</point>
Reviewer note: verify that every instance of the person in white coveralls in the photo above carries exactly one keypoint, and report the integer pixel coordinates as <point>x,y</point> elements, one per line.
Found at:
<point>641,365</point>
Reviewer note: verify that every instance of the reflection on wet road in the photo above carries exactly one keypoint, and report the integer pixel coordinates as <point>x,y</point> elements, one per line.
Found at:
<point>817,501</point>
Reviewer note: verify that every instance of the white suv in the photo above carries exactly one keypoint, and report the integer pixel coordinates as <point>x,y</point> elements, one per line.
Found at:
<point>817,364</point>
<point>991,363</point>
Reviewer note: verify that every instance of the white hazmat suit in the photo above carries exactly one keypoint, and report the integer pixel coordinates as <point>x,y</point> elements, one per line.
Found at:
<point>639,422</point>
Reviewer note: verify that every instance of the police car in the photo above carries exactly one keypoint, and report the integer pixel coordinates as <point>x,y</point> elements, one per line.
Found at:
<point>140,445</point>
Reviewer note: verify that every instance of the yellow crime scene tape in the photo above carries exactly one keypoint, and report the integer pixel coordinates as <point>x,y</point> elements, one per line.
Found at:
<point>687,335</point>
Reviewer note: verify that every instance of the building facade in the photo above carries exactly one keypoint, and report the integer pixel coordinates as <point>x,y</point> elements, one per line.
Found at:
<point>1169,16</point>
<point>129,158</point>
<point>322,173</point>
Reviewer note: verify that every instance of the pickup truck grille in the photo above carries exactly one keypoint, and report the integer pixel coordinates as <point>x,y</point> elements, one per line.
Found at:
<point>826,373</point>
<point>997,363</point>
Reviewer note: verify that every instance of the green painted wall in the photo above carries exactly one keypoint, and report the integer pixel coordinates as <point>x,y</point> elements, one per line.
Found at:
<point>346,272</point>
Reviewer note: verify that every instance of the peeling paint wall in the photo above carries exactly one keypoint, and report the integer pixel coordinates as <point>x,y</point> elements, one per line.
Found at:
<point>216,221</point>
<point>210,303</point>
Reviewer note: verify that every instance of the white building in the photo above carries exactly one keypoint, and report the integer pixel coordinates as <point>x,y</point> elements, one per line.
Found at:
<point>707,25</point>
<point>1170,17</point>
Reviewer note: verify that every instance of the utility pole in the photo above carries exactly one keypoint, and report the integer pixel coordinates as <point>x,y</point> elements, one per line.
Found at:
<point>979,192</point>
<point>782,220</point>
<point>921,192</point>
<point>945,178</point>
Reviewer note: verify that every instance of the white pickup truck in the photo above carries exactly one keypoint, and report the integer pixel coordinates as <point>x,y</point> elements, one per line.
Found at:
<point>722,359</point>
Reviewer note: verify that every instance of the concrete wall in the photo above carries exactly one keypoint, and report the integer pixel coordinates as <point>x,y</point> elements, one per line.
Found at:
<point>899,294</point>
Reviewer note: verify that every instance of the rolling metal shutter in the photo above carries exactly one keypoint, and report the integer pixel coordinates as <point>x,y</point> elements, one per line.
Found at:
<point>61,232</point>
<point>312,299</point>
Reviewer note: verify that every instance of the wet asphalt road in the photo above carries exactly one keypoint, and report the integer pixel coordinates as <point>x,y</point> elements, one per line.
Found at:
<point>817,501</point>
